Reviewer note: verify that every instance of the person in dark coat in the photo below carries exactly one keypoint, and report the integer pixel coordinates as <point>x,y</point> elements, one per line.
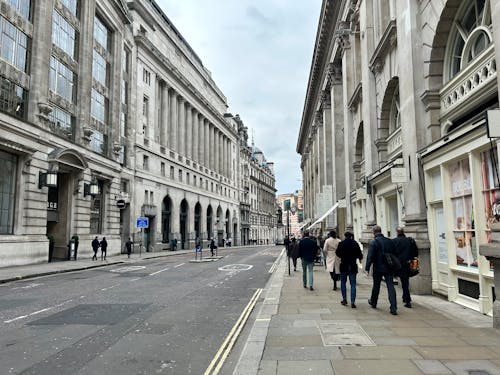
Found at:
<point>348,251</point>
<point>406,250</point>
<point>95,247</point>
<point>376,250</point>
<point>308,250</point>
<point>295,253</point>
<point>104,248</point>
<point>213,246</point>
<point>128,246</point>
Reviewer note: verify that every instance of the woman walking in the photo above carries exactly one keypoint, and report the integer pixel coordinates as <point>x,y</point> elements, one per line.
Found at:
<point>332,261</point>
<point>348,251</point>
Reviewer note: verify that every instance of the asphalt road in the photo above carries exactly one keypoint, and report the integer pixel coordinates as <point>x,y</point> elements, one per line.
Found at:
<point>159,316</point>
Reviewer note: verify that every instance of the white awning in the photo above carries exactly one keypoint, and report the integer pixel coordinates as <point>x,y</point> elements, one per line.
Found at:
<point>330,210</point>
<point>303,225</point>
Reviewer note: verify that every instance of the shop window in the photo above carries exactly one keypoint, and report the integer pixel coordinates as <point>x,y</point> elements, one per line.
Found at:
<point>491,190</point>
<point>97,210</point>
<point>463,214</point>
<point>7,192</point>
<point>470,35</point>
<point>437,190</point>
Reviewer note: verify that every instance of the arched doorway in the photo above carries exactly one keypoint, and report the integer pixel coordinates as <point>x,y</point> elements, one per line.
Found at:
<point>197,221</point>
<point>210,233</point>
<point>183,223</point>
<point>166,212</point>
<point>227,225</point>
<point>220,231</point>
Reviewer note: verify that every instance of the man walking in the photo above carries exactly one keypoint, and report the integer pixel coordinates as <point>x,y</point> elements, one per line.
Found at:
<point>128,246</point>
<point>376,256</point>
<point>348,251</point>
<point>406,249</point>
<point>104,248</point>
<point>308,250</point>
<point>95,247</point>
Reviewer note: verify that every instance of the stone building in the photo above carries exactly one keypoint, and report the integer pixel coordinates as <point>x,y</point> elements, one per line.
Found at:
<point>399,92</point>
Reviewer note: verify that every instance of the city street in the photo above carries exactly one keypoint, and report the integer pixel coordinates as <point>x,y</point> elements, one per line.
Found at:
<point>164,315</point>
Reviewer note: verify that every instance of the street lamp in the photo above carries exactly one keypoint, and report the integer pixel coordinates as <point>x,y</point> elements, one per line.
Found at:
<point>288,207</point>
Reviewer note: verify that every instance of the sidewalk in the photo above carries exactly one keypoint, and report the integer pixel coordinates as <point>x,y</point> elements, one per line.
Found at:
<point>8,274</point>
<point>298,331</point>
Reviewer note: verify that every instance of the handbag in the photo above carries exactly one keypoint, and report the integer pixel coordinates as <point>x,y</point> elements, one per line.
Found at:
<point>414,266</point>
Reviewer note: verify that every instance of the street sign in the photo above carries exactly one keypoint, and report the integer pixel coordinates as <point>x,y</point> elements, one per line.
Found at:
<point>398,175</point>
<point>142,222</point>
<point>121,204</point>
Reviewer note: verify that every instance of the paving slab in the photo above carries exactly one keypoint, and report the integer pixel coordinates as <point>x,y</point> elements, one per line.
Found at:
<point>456,352</point>
<point>313,367</point>
<point>464,367</point>
<point>375,367</point>
<point>283,353</point>
<point>380,352</point>
<point>438,341</point>
<point>432,367</point>
<point>290,341</point>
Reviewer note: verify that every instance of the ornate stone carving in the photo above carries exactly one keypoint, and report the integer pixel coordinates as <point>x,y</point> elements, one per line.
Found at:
<point>87,133</point>
<point>343,34</point>
<point>335,73</point>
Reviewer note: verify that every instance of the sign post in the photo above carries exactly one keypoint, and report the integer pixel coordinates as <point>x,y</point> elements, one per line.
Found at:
<point>141,222</point>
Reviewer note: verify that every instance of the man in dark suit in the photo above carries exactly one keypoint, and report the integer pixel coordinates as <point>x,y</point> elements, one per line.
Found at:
<point>308,249</point>
<point>406,249</point>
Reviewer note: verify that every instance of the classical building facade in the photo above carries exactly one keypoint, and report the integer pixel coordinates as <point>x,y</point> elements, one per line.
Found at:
<point>394,122</point>
<point>107,115</point>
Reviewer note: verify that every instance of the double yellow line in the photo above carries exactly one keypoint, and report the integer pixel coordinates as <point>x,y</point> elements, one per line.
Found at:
<point>224,350</point>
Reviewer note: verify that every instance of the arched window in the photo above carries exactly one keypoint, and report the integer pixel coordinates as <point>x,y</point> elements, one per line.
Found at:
<point>470,35</point>
<point>395,116</point>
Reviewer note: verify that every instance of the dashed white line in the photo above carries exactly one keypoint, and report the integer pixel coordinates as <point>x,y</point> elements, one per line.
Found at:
<point>36,312</point>
<point>136,279</point>
<point>179,265</point>
<point>157,272</point>
<point>109,287</point>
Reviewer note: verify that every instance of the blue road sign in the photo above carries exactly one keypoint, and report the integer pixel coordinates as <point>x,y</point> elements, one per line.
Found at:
<point>142,222</point>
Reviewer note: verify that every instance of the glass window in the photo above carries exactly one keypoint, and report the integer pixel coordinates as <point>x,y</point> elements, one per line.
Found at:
<point>22,6</point>
<point>13,45</point>
<point>437,190</point>
<point>145,162</point>
<point>71,5</point>
<point>99,68</point>
<point>63,34</point>
<point>61,122</point>
<point>395,117</point>
<point>98,142</point>
<point>7,192</point>
<point>97,210</point>
<point>12,98</point>
<point>491,190</point>
<point>98,106</point>
<point>101,33</point>
<point>463,214</point>
<point>61,79</point>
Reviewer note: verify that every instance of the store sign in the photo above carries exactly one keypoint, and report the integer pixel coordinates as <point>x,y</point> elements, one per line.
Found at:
<point>398,175</point>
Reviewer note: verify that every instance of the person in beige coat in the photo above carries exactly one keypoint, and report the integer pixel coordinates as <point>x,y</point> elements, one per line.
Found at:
<point>332,260</point>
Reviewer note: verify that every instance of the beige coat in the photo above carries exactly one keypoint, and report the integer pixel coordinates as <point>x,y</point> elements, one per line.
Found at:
<point>332,260</point>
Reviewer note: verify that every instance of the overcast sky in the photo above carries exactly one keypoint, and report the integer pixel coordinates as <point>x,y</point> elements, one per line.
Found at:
<point>259,53</point>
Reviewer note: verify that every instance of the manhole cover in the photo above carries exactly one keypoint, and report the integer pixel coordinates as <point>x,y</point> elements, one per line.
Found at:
<point>344,333</point>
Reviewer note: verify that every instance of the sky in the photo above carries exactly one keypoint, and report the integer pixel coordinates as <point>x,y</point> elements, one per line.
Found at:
<point>259,53</point>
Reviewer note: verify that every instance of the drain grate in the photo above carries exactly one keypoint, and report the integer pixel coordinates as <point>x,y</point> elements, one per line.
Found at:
<point>478,372</point>
<point>344,333</point>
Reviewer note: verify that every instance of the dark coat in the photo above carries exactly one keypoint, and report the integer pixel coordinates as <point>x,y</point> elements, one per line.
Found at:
<point>348,251</point>
<point>95,244</point>
<point>104,245</point>
<point>406,249</point>
<point>308,249</point>
<point>212,245</point>
<point>376,250</point>
<point>295,249</point>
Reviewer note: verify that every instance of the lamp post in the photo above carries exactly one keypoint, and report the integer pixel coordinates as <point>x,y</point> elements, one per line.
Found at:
<point>288,207</point>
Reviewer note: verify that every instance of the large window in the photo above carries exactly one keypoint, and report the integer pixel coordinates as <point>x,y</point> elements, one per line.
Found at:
<point>13,45</point>
<point>63,34</point>
<point>7,191</point>
<point>491,189</point>
<point>22,7</point>
<point>61,122</point>
<point>71,5</point>
<point>470,35</point>
<point>99,68</point>
<point>98,106</point>
<point>98,142</point>
<point>12,98</point>
<point>463,214</point>
<point>97,210</point>
<point>101,33</point>
<point>395,116</point>
<point>61,79</point>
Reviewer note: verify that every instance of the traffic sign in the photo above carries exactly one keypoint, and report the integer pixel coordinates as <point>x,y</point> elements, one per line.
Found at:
<point>142,222</point>
<point>121,204</point>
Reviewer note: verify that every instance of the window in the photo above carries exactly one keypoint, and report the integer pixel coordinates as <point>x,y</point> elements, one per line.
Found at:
<point>71,5</point>
<point>491,189</point>
<point>180,175</point>
<point>12,98</point>
<point>395,117</point>
<point>194,181</point>
<point>172,172</point>
<point>61,122</point>
<point>162,168</point>
<point>21,6</point>
<point>63,34</point>
<point>98,106</point>
<point>146,77</point>
<point>145,109</point>
<point>470,35</point>
<point>99,68</point>
<point>13,45</point>
<point>97,210</point>
<point>98,142</point>
<point>145,162</point>
<point>61,79</point>
<point>101,33</point>
<point>463,213</point>
<point>187,178</point>
<point>146,196</point>
<point>7,192</point>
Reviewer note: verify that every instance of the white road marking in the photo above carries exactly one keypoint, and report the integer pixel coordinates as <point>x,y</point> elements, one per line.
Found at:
<point>179,265</point>
<point>136,279</point>
<point>154,273</point>
<point>127,269</point>
<point>36,312</point>
<point>29,286</point>
<point>109,287</point>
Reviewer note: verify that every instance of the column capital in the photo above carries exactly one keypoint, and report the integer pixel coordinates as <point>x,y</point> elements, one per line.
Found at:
<point>325,100</point>
<point>335,72</point>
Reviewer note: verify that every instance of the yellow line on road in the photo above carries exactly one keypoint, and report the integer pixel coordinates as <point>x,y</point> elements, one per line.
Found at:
<point>228,343</point>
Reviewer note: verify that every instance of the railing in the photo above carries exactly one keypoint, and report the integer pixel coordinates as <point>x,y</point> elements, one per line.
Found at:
<point>470,85</point>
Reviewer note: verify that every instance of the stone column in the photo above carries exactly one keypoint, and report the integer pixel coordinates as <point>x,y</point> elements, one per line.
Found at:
<point>224,156</point>
<point>196,136</point>
<point>216,149</point>
<point>206,140</point>
<point>174,124</point>
<point>182,126</point>
<point>189,131</point>
<point>211,146</point>
<point>320,141</point>
<point>164,125</point>
<point>348,131</point>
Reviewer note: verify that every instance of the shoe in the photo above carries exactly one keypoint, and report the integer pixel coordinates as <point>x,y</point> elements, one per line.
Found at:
<point>311,288</point>
<point>353,305</point>
<point>334,288</point>
<point>343,302</point>
<point>394,312</point>
<point>408,304</point>
<point>295,269</point>
<point>305,286</point>
<point>371,304</point>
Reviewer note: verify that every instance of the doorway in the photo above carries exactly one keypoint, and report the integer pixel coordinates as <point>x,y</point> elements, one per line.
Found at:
<point>59,210</point>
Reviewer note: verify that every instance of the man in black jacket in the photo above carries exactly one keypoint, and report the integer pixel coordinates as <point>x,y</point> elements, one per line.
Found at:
<point>348,251</point>
<point>406,250</point>
<point>308,249</point>
<point>376,250</point>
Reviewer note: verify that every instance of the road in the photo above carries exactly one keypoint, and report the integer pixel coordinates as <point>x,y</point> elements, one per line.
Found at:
<point>159,316</point>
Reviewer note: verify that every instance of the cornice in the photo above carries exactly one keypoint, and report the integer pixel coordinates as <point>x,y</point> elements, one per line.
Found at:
<point>387,42</point>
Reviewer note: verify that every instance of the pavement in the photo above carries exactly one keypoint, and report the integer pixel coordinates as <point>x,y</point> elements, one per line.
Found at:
<point>297,331</point>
